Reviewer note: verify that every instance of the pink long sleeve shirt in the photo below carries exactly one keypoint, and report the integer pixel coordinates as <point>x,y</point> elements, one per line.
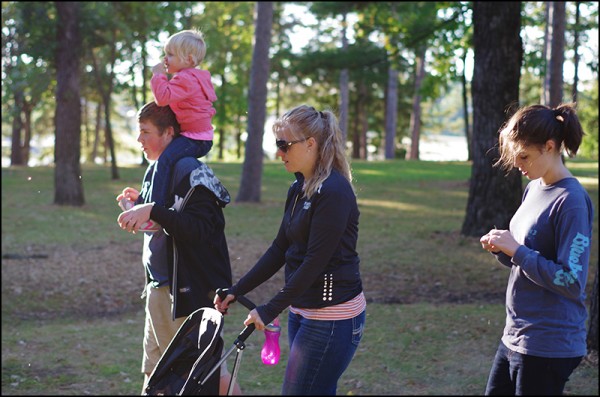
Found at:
<point>190,94</point>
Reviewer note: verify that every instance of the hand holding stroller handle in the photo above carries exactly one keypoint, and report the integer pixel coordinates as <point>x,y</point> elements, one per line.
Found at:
<point>245,333</point>
<point>223,292</point>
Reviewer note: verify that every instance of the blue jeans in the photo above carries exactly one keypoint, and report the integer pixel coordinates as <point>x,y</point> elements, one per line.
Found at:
<point>320,352</point>
<point>517,374</point>
<point>179,148</point>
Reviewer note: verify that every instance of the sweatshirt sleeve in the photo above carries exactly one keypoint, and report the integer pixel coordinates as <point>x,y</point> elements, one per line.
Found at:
<point>567,275</point>
<point>181,86</point>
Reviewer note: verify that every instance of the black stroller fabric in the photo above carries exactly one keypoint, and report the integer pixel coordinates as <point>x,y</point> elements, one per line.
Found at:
<point>192,354</point>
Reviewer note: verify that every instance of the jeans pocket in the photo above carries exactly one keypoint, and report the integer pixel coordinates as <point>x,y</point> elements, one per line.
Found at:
<point>358,325</point>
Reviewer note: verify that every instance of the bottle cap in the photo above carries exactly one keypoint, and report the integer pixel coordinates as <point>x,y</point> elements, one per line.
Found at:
<point>272,328</point>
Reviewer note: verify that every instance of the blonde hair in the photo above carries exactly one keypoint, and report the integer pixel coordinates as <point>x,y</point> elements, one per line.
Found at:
<point>304,122</point>
<point>187,43</point>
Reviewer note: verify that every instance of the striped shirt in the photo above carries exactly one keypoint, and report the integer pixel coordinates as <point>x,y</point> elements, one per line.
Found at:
<point>342,311</point>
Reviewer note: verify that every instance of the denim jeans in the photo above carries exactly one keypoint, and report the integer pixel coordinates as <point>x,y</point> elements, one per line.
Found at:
<point>320,352</point>
<point>519,374</point>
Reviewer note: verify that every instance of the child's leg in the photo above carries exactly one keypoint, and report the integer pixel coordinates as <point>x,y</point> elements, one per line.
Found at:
<point>198,148</point>
<point>179,148</point>
<point>164,166</point>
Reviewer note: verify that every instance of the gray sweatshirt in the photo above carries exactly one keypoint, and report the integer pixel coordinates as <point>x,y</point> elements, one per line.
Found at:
<point>545,296</point>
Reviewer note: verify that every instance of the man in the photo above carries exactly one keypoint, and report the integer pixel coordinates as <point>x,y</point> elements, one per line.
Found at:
<point>187,258</point>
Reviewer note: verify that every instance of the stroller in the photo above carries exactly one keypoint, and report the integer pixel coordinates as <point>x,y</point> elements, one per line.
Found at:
<point>192,362</point>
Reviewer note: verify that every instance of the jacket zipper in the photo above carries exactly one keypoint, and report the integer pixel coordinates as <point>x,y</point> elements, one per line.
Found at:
<point>176,256</point>
<point>293,208</point>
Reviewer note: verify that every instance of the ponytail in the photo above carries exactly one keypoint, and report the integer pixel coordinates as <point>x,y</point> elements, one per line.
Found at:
<point>305,122</point>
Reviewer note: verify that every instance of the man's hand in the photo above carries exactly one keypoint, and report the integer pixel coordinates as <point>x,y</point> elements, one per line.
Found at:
<point>134,218</point>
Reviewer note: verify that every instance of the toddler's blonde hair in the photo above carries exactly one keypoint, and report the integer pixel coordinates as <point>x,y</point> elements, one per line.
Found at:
<point>187,43</point>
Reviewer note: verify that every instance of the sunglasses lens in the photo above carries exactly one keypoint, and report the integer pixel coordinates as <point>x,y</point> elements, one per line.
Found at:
<point>282,145</point>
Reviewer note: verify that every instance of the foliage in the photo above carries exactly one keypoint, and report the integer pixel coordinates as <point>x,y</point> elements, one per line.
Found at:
<point>588,114</point>
<point>27,59</point>
<point>382,34</point>
<point>229,53</point>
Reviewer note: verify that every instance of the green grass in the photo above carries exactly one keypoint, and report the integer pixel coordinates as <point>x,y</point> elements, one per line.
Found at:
<point>418,349</point>
<point>87,356</point>
<point>72,319</point>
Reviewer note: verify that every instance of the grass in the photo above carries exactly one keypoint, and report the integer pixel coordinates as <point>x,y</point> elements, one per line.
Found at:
<point>72,319</point>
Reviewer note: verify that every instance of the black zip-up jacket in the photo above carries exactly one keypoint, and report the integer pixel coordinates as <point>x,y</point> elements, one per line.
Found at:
<point>195,227</point>
<point>317,243</point>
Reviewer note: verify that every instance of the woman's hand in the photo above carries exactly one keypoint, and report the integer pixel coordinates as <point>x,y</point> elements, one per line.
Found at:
<point>254,318</point>
<point>499,240</point>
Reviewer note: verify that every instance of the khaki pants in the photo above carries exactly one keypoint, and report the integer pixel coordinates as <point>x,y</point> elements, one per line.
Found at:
<point>159,328</point>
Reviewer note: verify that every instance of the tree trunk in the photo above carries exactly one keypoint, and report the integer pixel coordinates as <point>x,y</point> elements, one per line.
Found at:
<point>557,55</point>
<point>576,50</point>
<point>251,180</point>
<point>493,196</point>
<point>97,126</point>
<point>546,52</point>
<point>27,110</point>
<point>391,113</point>
<point>106,93</point>
<point>238,135</point>
<point>144,160</point>
<point>344,85</point>
<point>358,146</point>
<point>85,123</point>
<point>109,138</point>
<point>16,154</point>
<point>356,125</point>
<point>68,187</point>
<point>364,121</point>
<point>466,108</point>
<point>221,117</point>
<point>415,117</point>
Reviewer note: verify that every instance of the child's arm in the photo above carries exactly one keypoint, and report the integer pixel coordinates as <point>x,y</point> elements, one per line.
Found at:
<point>168,91</point>
<point>159,68</point>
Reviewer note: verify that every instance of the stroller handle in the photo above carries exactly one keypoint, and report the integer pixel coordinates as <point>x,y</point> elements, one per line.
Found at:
<point>239,342</point>
<point>222,292</point>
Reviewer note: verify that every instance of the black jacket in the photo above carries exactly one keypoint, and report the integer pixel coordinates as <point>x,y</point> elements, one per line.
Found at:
<point>195,229</point>
<point>317,244</point>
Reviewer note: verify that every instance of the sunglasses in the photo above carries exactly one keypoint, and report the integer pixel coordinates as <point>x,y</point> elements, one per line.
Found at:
<point>285,145</point>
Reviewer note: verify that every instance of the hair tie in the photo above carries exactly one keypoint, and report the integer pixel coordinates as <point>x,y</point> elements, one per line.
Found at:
<point>558,115</point>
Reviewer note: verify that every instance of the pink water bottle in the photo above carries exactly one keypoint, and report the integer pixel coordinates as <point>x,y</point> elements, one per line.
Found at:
<point>270,351</point>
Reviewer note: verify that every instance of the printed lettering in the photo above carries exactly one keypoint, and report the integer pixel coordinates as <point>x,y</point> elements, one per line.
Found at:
<point>581,239</point>
<point>578,245</point>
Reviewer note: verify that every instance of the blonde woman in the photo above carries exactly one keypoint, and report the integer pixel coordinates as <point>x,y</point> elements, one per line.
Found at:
<point>316,243</point>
